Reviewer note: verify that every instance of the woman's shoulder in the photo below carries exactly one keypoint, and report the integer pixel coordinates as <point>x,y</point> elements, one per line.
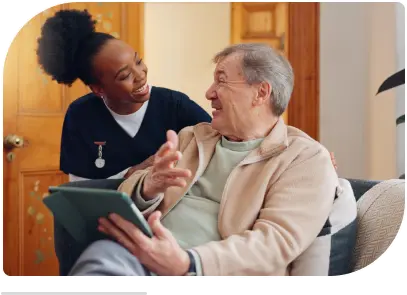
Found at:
<point>86,104</point>
<point>170,95</point>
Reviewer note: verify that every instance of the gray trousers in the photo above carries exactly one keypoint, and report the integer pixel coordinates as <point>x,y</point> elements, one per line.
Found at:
<point>107,258</point>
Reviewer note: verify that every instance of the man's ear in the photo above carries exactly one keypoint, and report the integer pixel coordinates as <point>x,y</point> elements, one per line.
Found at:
<point>263,93</point>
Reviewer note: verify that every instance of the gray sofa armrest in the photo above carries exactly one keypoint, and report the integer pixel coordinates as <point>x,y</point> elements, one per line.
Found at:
<point>361,186</point>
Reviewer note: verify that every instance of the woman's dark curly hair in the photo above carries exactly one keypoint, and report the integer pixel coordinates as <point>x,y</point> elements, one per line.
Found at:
<point>67,46</point>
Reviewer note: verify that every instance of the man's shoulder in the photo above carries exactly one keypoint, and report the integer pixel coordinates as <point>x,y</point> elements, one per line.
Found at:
<point>305,147</point>
<point>201,130</point>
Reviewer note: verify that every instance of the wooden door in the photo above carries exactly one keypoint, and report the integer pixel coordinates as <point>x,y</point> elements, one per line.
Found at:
<point>263,22</point>
<point>293,29</point>
<point>34,109</point>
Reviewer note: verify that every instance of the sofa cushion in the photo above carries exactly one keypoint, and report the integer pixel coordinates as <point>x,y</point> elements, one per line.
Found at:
<point>380,212</point>
<point>331,251</point>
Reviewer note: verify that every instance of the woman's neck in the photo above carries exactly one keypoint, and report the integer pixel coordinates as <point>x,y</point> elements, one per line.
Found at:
<point>123,109</point>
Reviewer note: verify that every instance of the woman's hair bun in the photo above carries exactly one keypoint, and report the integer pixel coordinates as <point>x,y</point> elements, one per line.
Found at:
<point>61,38</point>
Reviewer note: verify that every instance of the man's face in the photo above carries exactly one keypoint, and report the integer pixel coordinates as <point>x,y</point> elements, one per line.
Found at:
<point>231,96</point>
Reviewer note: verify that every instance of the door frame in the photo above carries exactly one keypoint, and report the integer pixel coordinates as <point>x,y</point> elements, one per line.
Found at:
<point>302,50</point>
<point>303,53</point>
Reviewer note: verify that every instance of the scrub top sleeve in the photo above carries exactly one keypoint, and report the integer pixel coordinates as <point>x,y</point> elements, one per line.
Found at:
<point>189,113</point>
<point>74,158</point>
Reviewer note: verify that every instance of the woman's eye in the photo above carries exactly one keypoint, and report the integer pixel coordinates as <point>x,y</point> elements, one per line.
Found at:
<point>139,62</point>
<point>125,77</point>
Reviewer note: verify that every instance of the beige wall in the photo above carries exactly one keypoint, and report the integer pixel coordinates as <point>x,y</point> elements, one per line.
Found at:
<point>180,41</point>
<point>358,50</point>
<point>357,47</point>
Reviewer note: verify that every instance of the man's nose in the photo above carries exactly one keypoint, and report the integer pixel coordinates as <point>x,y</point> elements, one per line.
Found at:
<point>211,93</point>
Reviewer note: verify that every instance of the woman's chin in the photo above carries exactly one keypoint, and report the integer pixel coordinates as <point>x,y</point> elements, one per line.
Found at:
<point>136,98</point>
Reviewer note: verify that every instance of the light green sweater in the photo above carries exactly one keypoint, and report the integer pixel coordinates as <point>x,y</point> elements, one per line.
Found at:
<point>194,220</point>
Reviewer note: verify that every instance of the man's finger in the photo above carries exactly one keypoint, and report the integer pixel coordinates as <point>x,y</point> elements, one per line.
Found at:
<point>136,235</point>
<point>168,160</point>
<point>173,138</point>
<point>173,173</point>
<point>166,147</point>
<point>179,182</point>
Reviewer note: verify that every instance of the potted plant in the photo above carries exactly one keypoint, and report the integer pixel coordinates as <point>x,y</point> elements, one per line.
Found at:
<point>391,82</point>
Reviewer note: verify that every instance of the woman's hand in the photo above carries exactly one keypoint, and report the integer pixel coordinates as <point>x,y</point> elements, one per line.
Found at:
<point>161,254</point>
<point>164,174</point>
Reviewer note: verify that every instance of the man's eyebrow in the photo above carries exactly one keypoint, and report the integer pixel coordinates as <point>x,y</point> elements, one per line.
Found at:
<point>220,72</point>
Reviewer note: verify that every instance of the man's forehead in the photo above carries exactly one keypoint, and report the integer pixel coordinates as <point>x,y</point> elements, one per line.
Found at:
<point>229,64</point>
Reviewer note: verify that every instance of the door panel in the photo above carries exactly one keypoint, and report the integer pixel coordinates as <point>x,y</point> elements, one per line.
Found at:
<point>292,28</point>
<point>261,23</point>
<point>34,109</point>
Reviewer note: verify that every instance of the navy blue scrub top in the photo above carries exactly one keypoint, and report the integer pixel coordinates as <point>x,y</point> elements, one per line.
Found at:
<point>88,122</point>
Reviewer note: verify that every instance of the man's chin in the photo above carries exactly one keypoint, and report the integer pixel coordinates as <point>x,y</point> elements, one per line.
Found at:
<point>215,123</point>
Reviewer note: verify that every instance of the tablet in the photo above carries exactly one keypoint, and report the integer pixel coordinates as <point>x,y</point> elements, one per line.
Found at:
<point>78,210</point>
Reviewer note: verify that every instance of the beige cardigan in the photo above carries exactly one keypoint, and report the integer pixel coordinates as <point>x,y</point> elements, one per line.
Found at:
<point>274,204</point>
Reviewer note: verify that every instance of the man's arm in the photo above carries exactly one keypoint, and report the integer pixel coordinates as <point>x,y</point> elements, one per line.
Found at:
<point>132,185</point>
<point>295,210</point>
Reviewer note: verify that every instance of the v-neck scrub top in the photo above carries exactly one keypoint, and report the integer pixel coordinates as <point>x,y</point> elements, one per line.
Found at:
<point>92,131</point>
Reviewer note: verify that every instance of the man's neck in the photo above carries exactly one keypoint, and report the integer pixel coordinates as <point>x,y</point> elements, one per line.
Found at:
<point>260,131</point>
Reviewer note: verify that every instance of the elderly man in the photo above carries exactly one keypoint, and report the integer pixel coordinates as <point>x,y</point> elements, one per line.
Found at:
<point>244,195</point>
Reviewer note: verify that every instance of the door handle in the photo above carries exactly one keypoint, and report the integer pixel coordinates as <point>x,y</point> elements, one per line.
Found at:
<point>13,141</point>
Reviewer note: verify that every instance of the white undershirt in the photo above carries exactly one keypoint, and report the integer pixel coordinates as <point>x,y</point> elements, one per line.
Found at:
<point>131,124</point>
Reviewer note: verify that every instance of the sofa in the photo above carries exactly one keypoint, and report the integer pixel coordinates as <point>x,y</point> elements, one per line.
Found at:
<point>380,206</point>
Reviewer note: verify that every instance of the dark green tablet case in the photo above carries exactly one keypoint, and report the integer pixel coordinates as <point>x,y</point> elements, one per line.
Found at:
<point>78,210</point>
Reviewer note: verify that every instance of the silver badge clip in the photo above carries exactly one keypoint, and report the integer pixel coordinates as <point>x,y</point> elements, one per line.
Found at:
<point>100,162</point>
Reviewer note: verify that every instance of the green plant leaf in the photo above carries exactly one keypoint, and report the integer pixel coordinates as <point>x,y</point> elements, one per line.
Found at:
<point>401,120</point>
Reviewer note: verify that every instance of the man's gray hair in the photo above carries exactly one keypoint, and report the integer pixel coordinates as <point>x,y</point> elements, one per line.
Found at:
<point>261,63</point>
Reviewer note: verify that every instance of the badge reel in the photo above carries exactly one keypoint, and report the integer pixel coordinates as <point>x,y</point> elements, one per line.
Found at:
<point>100,162</point>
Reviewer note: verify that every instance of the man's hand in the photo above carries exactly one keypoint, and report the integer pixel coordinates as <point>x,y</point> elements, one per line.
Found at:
<point>144,165</point>
<point>161,254</point>
<point>164,174</point>
<point>333,160</point>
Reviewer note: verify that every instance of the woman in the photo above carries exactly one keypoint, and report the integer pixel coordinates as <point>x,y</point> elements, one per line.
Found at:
<point>118,127</point>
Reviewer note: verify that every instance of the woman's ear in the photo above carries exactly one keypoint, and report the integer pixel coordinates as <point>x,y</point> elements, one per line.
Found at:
<point>96,90</point>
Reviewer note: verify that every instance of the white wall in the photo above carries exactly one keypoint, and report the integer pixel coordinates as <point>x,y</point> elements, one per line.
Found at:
<point>344,72</point>
<point>180,41</point>
<point>400,91</point>
<point>357,47</point>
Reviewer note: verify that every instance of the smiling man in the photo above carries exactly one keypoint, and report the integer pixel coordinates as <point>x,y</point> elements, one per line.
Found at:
<point>243,195</point>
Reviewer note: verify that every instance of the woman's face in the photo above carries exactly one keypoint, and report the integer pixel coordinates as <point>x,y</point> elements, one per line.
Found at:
<point>121,73</point>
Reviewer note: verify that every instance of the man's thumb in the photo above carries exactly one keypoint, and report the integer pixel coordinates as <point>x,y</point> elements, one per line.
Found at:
<point>158,229</point>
